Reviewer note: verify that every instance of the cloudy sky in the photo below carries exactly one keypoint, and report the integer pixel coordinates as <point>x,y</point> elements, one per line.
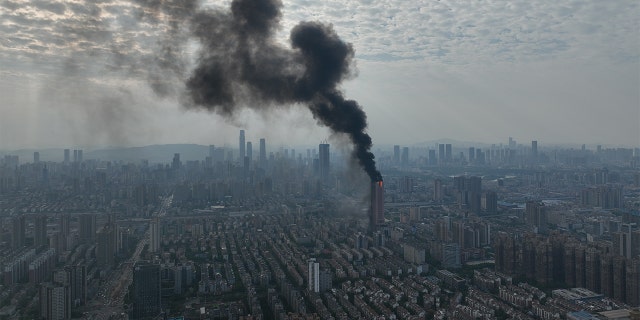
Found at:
<point>82,73</point>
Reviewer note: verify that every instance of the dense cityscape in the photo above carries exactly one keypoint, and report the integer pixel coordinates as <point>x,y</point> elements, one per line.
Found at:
<point>504,231</point>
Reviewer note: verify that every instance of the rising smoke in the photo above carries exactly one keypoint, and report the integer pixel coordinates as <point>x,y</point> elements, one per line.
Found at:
<point>241,64</point>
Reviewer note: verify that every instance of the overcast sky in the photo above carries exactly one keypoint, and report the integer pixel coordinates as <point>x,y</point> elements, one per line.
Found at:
<point>552,71</point>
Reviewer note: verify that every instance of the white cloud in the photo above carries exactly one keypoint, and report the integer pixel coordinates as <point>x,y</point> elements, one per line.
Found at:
<point>428,69</point>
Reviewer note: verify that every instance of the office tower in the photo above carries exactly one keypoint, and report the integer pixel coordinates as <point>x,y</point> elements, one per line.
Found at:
<point>183,275</point>
<point>36,157</point>
<point>441,154</point>
<point>18,232</point>
<point>55,302</point>
<point>154,246</point>
<point>404,159</point>
<point>469,192</point>
<point>433,160</point>
<point>64,229</point>
<point>87,226</point>
<point>376,214</point>
<point>437,190</point>
<point>323,163</point>
<point>512,143</point>
<point>40,232</point>
<point>536,216</point>
<point>451,255</point>
<point>146,290</point>
<point>448,154</point>
<point>176,164</point>
<point>633,282</point>
<point>77,277</point>
<point>263,153</point>
<point>474,189</point>
<point>472,154</point>
<point>489,202</point>
<point>242,146</point>
<point>75,155</point>
<point>396,154</point>
<point>80,157</point>
<point>249,152</point>
<point>106,246</point>
<point>313,280</point>
<point>67,157</point>
<point>534,150</point>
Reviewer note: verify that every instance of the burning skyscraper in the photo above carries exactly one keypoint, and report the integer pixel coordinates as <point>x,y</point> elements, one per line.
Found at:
<point>376,212</point>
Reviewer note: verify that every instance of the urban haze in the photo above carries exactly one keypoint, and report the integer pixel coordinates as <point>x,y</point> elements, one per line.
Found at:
<point>267,159</point>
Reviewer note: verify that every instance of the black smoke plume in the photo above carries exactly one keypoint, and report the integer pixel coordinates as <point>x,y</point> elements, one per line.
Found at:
<point>241,64</point>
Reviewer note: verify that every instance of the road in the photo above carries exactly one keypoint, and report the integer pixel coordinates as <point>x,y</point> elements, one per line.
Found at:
<point>109,301</point>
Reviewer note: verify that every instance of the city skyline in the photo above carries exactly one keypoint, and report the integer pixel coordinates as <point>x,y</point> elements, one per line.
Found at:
<point>557,73</point>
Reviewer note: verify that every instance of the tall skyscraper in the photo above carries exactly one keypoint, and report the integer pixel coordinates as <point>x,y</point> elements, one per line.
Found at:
<point>77,277</point>
<point>36,157</point>
<point>106,246</point>
<point>324,157</point>
<point>536,216</point>
<point>448,153</point>
<point>87,226</point>
<point>80,156</point>
<point>433,160</point>
<point>404,158</point>
<point>67,156</point>
<point>263,153</point>
<point>472,154</point>
<point>250,152</point>
<point>376,214</point>
<point>242,146</point>
<point>64,229</point>
<point>75,155</point>
<point>18,232</point>
<point>175,163</point>
<point>534,150</point>
<point>313,280</point>
<point>146,290</point>
<point>40,232</point>
<point>441,153</point>
<point>469,192</point>
<point>512,143</point>
<point>396,154</point>
<point>437,190</point>
<point>55,301</point>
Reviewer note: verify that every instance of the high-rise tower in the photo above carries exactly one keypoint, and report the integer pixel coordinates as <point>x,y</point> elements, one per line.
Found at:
<point>263,153</point>
<point>404,158</point>
<point>87,228</point>
<point>40,232</point>
<point>396,154</point>
<point>146,290</point>
<point>17,232</point>
<point>241,147</point>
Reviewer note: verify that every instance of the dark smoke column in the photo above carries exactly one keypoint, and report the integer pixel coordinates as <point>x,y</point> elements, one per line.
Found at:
<point>241,65</point>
